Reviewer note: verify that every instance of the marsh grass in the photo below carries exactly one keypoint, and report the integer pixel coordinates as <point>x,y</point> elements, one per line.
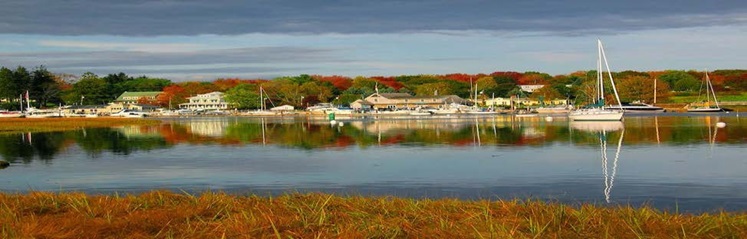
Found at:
<point>23,125</point>
<point>162,214</point>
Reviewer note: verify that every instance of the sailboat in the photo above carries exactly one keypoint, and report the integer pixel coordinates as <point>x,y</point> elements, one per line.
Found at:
<point>262,111</point>
<point>475,109</point>
<point>597,111</point>
<point>707,105</point>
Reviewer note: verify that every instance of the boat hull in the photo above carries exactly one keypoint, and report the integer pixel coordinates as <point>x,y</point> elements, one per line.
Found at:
<point>636,108</point>
<point>596,115</point>
<point>705,110</point>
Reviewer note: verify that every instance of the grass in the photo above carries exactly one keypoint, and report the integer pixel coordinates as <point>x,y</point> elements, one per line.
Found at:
<point>162,214</point>
<point>734,97</point>
<point>22,125</point>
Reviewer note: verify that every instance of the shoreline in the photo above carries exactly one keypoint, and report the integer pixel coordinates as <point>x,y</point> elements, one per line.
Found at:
<point>317,215</point>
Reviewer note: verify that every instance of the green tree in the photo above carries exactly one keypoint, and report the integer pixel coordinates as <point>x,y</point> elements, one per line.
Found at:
<point>44,88</point>
<point>90,89</point>
<point>431,89</point>
<point>504,86</point>
<point>243,96</point>
<point>142,83</point>
<point>8,87</point>
<point>115,84</point>
<point>673,78</point>
<point>22,80</point>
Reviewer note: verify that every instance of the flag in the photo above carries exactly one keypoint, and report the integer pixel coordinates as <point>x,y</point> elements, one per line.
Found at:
<point>376,87</point>
<point>27,95</point>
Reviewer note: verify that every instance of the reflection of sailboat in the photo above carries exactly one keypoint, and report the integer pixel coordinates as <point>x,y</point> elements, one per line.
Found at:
<point>597,111</point>
<point>602,128</point>
<point>597,126</point>
<point>609,174</point>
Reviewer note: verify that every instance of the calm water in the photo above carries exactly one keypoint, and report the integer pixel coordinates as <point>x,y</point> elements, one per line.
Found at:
<point>668,161</point>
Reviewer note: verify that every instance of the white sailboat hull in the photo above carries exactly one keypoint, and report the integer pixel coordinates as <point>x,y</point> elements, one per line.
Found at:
<point>596,115</point>
<point>704,110</point>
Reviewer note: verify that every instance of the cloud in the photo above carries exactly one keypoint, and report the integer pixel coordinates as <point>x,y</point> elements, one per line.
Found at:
<point>144,47</point>
<point>234,17</point>
<point>135,58</point>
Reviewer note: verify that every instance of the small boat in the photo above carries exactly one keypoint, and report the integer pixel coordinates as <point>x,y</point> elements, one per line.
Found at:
<point>37,113</point>
<point>559,109</point>
<point>597,111</point>
<point>421,113</point>
<point>10,114</point>
<point>130,114</point>
<point>710,104</point>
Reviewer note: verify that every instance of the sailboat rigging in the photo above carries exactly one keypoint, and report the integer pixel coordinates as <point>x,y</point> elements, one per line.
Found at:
<point>598,111</point>
<point>710,104</point>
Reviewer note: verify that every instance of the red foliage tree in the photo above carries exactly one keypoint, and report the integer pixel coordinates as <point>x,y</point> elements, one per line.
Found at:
<point>389,81</point>
<point>174,94</point>
<point>340,82</point>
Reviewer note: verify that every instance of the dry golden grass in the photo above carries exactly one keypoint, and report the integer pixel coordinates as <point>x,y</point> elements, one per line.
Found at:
<point>19,125</point>
<point>161,214</point>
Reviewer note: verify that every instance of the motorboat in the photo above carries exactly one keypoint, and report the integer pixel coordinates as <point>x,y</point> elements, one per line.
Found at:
<point>636,107</point>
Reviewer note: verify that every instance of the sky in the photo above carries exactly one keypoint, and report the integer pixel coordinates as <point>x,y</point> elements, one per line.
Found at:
<point>189,40</point>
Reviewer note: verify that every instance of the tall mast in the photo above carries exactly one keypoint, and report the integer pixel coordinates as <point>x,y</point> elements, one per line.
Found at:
<point>609,72</point>
<point>261,99</point>
<point>654,90</point>
<point>710,86</point>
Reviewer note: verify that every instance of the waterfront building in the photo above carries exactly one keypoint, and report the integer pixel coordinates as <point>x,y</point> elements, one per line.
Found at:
<point>128,98</point>
<point>393,101</point>
<point>209,101</point>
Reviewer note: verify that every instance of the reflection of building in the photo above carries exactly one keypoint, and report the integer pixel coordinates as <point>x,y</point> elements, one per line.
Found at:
<point>404,100</point>
<point>209,101</point>
<point>139,132</point>
<point>208,128</point>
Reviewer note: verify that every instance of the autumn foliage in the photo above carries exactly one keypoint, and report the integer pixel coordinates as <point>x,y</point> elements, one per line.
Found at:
<point>162,214</point>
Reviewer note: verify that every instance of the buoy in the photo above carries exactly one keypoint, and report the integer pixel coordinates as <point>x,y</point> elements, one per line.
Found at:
<point>720,124</point>
<point>4,164</point>
<point>548,118</point>
<point>332,122</point>
<point>341,124</point>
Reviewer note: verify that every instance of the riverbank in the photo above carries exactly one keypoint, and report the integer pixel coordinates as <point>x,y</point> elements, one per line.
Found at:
<point>217,215</point>
<point>23,125</point>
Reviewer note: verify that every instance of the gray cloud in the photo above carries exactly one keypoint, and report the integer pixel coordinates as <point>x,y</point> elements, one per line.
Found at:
<point>129,58</point>
<point>194,17</point>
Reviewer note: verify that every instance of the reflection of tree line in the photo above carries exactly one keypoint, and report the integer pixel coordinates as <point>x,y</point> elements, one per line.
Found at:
<point>309,135</point>
<point>95,141</point>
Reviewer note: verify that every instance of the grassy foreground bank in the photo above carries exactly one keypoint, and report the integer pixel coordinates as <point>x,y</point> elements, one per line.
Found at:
<point>22,125</point>
<point>161,214</point>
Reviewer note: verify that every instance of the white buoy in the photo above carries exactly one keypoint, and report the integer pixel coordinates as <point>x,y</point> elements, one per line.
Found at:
<point>720,124</point>
<point>341,124</point>
<point>548,118</point>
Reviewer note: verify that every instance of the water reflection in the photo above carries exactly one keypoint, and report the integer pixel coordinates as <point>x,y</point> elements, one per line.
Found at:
<point>310,134</point>
<point>666,159</point>
<point>603,131</point>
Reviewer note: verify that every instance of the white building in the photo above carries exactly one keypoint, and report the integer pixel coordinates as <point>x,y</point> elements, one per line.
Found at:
<point>530,88</point>
<point>209,101</point>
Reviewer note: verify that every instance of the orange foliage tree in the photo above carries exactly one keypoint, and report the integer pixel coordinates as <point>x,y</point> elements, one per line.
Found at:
<point>388,81</point>
<point>342,83</point>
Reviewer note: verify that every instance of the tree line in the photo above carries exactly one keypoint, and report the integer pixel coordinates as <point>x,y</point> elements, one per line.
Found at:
<point>47,89</point>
